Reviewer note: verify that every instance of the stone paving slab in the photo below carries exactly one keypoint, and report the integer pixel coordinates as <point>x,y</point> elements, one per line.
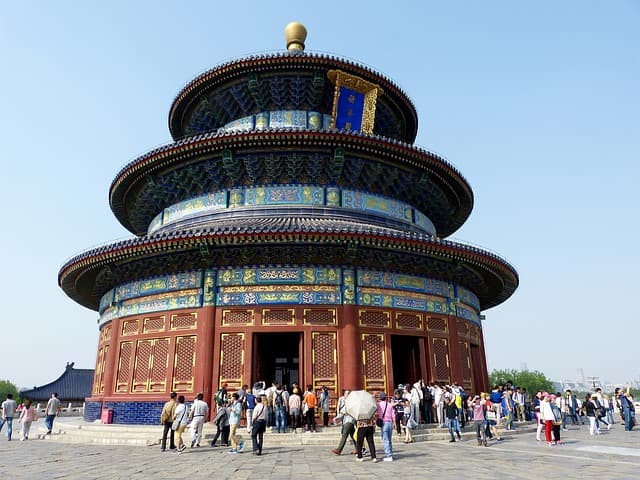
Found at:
<point>612,455</point>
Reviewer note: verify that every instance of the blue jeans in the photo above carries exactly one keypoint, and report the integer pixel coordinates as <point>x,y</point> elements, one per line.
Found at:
<point>281,419</point>
<point>387,433</point>
<point>453,426</point>
<point>9,422</point>
<point>48,422</point>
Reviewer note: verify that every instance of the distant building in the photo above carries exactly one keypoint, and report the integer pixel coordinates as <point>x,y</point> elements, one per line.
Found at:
<point>73,386</point>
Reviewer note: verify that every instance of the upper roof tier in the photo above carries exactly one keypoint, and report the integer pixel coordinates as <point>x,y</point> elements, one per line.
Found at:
<point>291,80</point>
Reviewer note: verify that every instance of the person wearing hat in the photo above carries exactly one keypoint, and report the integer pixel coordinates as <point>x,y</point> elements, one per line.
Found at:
<point>385,416</point>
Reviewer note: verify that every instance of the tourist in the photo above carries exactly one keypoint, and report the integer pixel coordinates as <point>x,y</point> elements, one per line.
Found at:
<point>340,407</point>
<point>348,429</point>
<point>496,402</point>
<point>518,401</point>
<point>508,409</point>
<point>491,425</point>
<point>552,420</point>
<point>407,420</point>
<point>310,400</point>
<point>271,413</point>
<point>180,419</point>
<point>366,429</point>
<point>477,406</point>
<point>9,407</point>
<point>259,425</point>
<point>451,413</point>
<point>235,412</point>
<point>295,403</point>
<point>397,402</point>
<point>571,403</point>
<point>51,411</point>
<point>438,403</point>
<point>591,411</point>
<point>386,415</point>
<point>324,403</point>
<point>427,403</point>
<point>221,397</point>
<point>280,407</point>
<point>249,405</point>
<point>416,400</point>
<point>537,411</point>
<point>166,418</point>
<point>608,407</point>
<point>221,422</point>
<point>197,415</point>
<point>28,415</point>
<point>627,410</point>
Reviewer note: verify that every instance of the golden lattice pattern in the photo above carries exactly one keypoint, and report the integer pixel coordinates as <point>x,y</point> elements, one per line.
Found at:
<point>185,359</point>
<point>409,321</point>
<point>475,334</point>
<point>124,366</point>
<point>465,362</point>
<point>373,348</point>
<point>320,317</point>
<point>374,318</point>
<point>278,316</point>
<point>463,329</point>
<point>437,324</point>
<point>160,362</point>
<point>105,334</point>
<point>324,355</point>
<point>231,362</point>
<point>98,379</point>
<point>441,359</point>
<point>141,371</point>
<point>184,321</point>
<point>154,324</point>
<point>237,317</point>
<point>130,327</point>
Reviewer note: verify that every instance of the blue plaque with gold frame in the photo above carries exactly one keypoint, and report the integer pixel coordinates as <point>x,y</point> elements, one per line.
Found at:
<point>354,102</point>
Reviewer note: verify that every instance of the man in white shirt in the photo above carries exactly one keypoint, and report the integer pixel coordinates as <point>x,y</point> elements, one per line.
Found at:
<point>52,410</point>
<point>8,412</point>
<point>197,414</point>
<point>438,401</point>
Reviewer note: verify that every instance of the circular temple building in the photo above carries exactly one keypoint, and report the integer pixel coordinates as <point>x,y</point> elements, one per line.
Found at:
<point>291,232</point>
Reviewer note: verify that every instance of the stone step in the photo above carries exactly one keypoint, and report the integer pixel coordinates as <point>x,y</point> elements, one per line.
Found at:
<point>147,435</point>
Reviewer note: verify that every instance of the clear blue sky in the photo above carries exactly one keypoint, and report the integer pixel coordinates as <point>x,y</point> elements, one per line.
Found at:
<point>537,103</point>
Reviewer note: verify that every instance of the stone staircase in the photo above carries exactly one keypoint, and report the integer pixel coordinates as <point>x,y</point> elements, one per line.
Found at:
<point>149,435</point>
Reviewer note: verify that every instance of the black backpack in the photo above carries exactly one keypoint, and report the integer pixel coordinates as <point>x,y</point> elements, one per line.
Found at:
<point>278,401</point>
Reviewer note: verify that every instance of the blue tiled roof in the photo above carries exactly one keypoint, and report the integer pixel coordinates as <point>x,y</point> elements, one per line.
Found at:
<point>72,385</point>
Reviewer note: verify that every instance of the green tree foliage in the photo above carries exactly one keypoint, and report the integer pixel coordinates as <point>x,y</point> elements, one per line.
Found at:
<point>532,381</point>
<point>7,387</point>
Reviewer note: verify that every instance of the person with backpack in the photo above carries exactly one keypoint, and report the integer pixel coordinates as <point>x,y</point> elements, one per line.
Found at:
<point>427,403</point>
<point>280,406</point>
<point>221,397</point>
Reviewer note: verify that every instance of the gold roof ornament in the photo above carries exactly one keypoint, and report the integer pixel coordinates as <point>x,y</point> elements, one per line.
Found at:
<point>295,33</point>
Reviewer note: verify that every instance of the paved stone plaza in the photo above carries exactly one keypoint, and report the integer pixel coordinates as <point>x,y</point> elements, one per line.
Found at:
<point>612,455</point>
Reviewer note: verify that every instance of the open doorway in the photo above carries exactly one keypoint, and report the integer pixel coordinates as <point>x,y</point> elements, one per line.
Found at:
<point>276,358</point>
<point>405,357</point>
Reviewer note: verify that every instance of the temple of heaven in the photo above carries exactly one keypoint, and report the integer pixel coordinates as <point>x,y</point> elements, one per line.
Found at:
<point>290,232</point>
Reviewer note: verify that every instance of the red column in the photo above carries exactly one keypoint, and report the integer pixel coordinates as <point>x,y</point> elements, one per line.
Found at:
<point>455,367</point>
<point>204,355</point>
<point>350,350</point>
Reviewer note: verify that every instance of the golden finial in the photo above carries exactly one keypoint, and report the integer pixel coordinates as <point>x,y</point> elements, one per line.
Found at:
<point>296,34</point>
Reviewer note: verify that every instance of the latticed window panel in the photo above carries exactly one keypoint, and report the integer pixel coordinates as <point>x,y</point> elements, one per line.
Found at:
<point>105,334</point>
<point>184,364</point>
<point>320,316</point>
<point>475,334</point>
<point>98,374</point>
<point>184,321</point>
<point>124,367</point>
<point>324,358</point>
<point>130,327</point>
<point>373,361</point>
<point>465,363</point>
<point>440,353</point>
<point>237,317</point>
<point>279,316</point>
<point>154,324</point>
<point>463,329</point>
<point>231,358</point>
<point>374,318</point>
<point>144,352</point>
<point>159,365</point>
<point>437,324</point>
<point>409,321</point>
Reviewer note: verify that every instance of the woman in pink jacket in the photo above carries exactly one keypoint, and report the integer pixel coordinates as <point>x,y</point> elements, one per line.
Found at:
<point>28,415</point>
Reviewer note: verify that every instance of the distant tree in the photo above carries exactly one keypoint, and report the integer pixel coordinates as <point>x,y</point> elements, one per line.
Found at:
<point>7,387</point>
<point>532,381</point>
